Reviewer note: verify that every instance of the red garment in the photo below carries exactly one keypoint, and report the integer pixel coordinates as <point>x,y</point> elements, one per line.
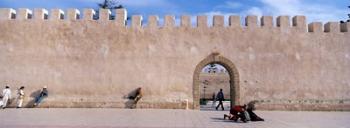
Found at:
<point>236,109</point>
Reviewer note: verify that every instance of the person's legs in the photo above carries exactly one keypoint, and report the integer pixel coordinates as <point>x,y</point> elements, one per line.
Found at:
<point>222,105</point>
<point>37,100</point>
<point>4,100</point>
<point>242,116</point>
<point>20,101</point>
<point>220,102</point>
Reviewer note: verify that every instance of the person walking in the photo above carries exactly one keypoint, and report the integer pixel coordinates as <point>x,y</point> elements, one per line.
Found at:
<point>214,100</point>
<point>6,93</point>
<point>20,97</point>
<point>220,98</point>
<point>44,93</point>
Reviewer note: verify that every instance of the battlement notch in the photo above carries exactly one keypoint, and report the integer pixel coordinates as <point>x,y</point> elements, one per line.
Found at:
<point>234,22</point>
<point>7,13</point>
<point>299,22</point>
<point>73,14</point>
<point>267,21</point>
<point>251,21</point>
<point>104,14</point>
<point>153,21</point>
<point>185,21</point>
<point>136,21</point>
<point>24,14</point>
<point>345,27</point>
<point>218,21</point>
<point>40,14</point>
<point>315,27</point>
<point>56,14</point>
<point>202,21</point>
<point>332,27</point>
<point>283,22</point>
<point>89,14</point>
<point>121,16</point>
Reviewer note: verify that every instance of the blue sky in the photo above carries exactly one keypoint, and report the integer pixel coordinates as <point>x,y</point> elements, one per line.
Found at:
<point>315,10</point>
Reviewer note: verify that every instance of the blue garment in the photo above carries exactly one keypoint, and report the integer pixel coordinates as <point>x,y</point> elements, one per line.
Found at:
<point>220,96</point>
<point>43,94</point>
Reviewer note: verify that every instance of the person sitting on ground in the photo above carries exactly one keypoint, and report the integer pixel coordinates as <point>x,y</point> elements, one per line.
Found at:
<point>237,112</point>
<point>136,97</point>
<point>250,109</point>
<point>41,96</point>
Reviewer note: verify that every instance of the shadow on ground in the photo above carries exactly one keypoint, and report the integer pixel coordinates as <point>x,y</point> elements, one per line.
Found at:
<point>34,94</point>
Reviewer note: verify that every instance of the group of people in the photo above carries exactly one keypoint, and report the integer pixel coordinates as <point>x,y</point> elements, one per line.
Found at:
<point>244,113</point>
<point>6,97</point>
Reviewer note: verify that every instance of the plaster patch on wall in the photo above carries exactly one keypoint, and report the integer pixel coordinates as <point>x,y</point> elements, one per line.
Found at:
<point>194,50</point>
<point>104,50</point>
<point>151,48</point>
<point>10,48</point>
<point>297,56</point>
<point>347,56</point>
<point>251,53</point>
<point>251,56</point>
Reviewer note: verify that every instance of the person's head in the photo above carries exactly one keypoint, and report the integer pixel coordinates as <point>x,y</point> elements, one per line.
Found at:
<point>22,87</point>
<point>251,105</point>
<point>7,87</point>
<point>45,87</point>
<point>244,107</point>
<point>220,89</point>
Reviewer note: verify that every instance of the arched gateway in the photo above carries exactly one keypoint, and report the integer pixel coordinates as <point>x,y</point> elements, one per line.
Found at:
<point>230,67</point>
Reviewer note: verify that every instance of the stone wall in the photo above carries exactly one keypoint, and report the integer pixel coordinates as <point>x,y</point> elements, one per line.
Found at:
<point>97,63</point>
<point>213,83</point>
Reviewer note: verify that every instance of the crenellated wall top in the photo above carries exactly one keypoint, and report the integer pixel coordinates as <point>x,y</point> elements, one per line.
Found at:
<point>218,21</point>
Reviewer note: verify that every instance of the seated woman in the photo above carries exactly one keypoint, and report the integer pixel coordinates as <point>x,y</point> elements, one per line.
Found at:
<point>237,112</point>
<point>253,116</point>
<point>136,97</point>
<point>43,93</point>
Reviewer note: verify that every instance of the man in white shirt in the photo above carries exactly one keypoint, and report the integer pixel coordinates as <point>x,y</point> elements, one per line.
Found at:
<point>6,93</point>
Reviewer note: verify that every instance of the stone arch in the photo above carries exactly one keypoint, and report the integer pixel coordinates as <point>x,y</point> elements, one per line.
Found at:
<point>232,70</point>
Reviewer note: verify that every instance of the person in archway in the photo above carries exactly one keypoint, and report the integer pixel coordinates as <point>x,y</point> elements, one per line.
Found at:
<point>220,98</point>
<point>44,93</point>
<point>214,100</point>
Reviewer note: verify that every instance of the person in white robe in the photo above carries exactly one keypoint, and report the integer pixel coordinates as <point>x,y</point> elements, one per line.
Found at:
<point>6,93</point>
<point>20,97</point>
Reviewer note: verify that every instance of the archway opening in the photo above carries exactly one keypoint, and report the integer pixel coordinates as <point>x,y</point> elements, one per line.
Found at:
<point>213,78</point>
<point>232,71</point>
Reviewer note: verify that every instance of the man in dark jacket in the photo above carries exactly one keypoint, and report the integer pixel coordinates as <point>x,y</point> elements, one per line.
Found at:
<point>220,98</point>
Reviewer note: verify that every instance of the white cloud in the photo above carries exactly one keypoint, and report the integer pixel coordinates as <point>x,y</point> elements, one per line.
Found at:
<point>254,11</point>
<point>145,3</point>
<point>232,4</point>
<point>313,11</point>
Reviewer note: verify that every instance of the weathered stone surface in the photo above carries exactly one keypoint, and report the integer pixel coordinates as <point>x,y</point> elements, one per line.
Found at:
<point>87,63</point>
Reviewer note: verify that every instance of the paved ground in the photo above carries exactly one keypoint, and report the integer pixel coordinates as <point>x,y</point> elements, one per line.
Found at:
<point>162,118</point>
